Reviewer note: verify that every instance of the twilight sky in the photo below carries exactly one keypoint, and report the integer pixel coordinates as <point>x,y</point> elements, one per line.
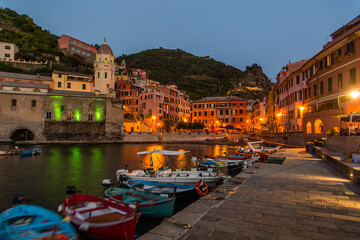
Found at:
<point>236,32</point>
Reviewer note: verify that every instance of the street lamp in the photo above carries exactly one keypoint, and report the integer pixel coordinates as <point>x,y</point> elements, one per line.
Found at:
<point>354,94</point>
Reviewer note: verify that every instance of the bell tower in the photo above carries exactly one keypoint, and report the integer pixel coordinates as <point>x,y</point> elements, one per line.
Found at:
<point>104,68</point>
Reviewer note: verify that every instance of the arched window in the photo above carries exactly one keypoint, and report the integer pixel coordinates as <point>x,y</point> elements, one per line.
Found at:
<point>318,126</point>
<point>99,59</point>
<point>90,116</point>
<point>105,59</point>
<point>112,60</point>
<point>48,114</point>
<point>308,127</point>
<point>98,75</point>
<point>68,116</point>
<point>105,75</point>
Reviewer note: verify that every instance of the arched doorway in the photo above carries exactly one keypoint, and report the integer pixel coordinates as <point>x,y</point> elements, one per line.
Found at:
<point>308,127</point>
<point>318,126</point>
<point>22,134</point>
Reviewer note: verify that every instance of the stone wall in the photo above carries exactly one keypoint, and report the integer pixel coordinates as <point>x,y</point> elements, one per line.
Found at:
<point>342,144</point>
<point>170,137</point>
<point>291,138</point>
<point>67,117</point>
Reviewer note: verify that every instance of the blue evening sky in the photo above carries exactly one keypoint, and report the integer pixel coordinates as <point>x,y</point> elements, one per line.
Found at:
<point>236,32</point>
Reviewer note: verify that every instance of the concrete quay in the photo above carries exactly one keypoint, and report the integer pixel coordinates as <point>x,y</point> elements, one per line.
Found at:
<point>303,198</point>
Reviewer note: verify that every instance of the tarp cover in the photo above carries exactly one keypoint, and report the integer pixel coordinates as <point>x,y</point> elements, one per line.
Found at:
<point>163,152</point>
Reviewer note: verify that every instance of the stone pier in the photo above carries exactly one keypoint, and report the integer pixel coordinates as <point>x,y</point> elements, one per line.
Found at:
<point>303,198</point>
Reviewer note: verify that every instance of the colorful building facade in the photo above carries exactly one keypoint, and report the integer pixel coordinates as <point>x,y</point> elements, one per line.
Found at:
<point>72,81</point>
<point>73,46</point>
<point>218,112</point>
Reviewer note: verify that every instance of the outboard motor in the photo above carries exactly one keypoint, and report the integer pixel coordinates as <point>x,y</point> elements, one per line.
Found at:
<point>107,183</point>
<point>194,161</point>
<point>70,190</point>
<point>18,198</point>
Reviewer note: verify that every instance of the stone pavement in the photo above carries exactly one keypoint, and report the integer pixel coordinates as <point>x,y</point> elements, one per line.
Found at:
<point>303,198</point>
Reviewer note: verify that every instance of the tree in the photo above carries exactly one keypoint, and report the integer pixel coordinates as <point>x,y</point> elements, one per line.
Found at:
<point>197,125</point>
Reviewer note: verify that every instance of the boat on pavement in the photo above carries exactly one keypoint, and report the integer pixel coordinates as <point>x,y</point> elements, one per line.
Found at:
<point>100,218</point>
<point>150,204</point>
<point>166,175</point>
<point>24,222</point>
<point>258,147</point>
<point>183,192</point>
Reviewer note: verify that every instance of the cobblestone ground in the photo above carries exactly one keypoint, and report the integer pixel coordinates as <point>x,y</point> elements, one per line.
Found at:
<point>303,198</point>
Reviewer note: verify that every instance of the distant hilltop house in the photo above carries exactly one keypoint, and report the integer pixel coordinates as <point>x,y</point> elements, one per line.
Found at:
<point>72,46</point>
<point>8,51</point>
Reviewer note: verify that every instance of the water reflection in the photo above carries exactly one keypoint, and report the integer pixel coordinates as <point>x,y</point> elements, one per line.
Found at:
<point>45,177</point>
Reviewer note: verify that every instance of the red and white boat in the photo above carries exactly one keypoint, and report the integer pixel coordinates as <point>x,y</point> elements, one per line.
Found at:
<point>100,218</point>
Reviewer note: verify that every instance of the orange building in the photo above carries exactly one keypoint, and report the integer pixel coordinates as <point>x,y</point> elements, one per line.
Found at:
<point>216,112</point>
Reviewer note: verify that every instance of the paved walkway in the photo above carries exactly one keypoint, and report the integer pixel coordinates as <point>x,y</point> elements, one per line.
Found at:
<point>303,198</point>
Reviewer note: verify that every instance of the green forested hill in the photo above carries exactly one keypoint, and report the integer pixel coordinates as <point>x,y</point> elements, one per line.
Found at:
<point>198,76</point>
<point>34,43</point>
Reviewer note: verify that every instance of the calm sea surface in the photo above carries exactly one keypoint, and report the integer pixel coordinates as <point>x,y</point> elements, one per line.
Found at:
<point>45,177</point>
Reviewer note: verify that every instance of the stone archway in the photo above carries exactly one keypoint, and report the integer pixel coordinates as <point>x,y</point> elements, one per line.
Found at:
<point>21,135</point>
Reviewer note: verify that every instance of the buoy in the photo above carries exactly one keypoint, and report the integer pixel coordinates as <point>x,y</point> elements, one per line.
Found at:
<point>6,156</point>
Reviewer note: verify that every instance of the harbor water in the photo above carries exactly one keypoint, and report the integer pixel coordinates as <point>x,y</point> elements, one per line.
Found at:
<point>44,178</point>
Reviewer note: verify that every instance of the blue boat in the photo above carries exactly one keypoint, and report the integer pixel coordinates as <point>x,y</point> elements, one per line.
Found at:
<point>30,152</point>
<point>183,192</point>
<point>24,222</point>
<point>149,204</point>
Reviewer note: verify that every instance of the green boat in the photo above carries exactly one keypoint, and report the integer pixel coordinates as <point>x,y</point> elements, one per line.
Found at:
<point>149,204</point>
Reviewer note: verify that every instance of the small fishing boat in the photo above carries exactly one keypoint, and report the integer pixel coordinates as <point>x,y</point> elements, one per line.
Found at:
<point>183,192</point>
<point>231,165</point>
<point>259,148</point>
<point>24,222</point>
<point>30,152</point>
<point>166,175</point>
<point>152,205</point>
<point>100,218</point>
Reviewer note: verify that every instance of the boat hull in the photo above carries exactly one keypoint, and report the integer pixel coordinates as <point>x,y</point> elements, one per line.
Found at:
<point>33,222</point>
<point>100,218</point>
<point>149,204</point>
<point>182,192</point>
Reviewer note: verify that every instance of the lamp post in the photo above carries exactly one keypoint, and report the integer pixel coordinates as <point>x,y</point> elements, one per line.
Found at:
<point>354,94</point>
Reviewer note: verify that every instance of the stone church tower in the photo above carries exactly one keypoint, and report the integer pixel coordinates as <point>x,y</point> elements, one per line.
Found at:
<point>104,68</point>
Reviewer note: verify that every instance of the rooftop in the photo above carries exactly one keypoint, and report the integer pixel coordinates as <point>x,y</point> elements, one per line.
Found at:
<point>25,76</point>
<point>25,84</point>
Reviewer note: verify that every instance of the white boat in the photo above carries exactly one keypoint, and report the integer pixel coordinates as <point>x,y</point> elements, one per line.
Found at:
<point>166,175</point>
<point>259,148</point>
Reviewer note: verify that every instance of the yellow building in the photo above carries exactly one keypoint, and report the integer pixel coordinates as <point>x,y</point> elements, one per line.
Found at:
<point>72,81</point>
<point>136,126</point>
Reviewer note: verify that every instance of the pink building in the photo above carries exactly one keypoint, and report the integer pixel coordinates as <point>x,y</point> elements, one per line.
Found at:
<point>73,46</point>
<point>289,102</point>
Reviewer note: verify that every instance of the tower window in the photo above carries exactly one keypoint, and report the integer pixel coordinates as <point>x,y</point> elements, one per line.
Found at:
<point>105,59</point>
<point>105,75</point>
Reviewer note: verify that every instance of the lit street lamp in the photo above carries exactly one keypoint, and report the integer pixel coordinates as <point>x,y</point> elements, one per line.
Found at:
<point>354,94</point>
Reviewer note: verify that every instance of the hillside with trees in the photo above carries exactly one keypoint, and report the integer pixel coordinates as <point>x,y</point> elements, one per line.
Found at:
<point>35,44</point>
<point>198,76</point>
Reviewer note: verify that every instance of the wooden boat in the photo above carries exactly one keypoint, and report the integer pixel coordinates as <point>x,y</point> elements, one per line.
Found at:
<point>33,222</point>
<point>183,192</point>
<point>100,218</point>
<point>259,148</point>
<point>166,175</point>
<point>150,204</point>
<point>231,165</point>
<point>30,152</point>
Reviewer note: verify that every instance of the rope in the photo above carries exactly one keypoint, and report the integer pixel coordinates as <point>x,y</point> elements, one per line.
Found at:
<point>213,197</point>
<point>227,190</point>
<point>185,225</point>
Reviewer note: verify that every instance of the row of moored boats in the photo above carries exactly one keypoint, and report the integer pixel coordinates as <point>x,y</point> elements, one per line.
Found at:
<point>146,192</point>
